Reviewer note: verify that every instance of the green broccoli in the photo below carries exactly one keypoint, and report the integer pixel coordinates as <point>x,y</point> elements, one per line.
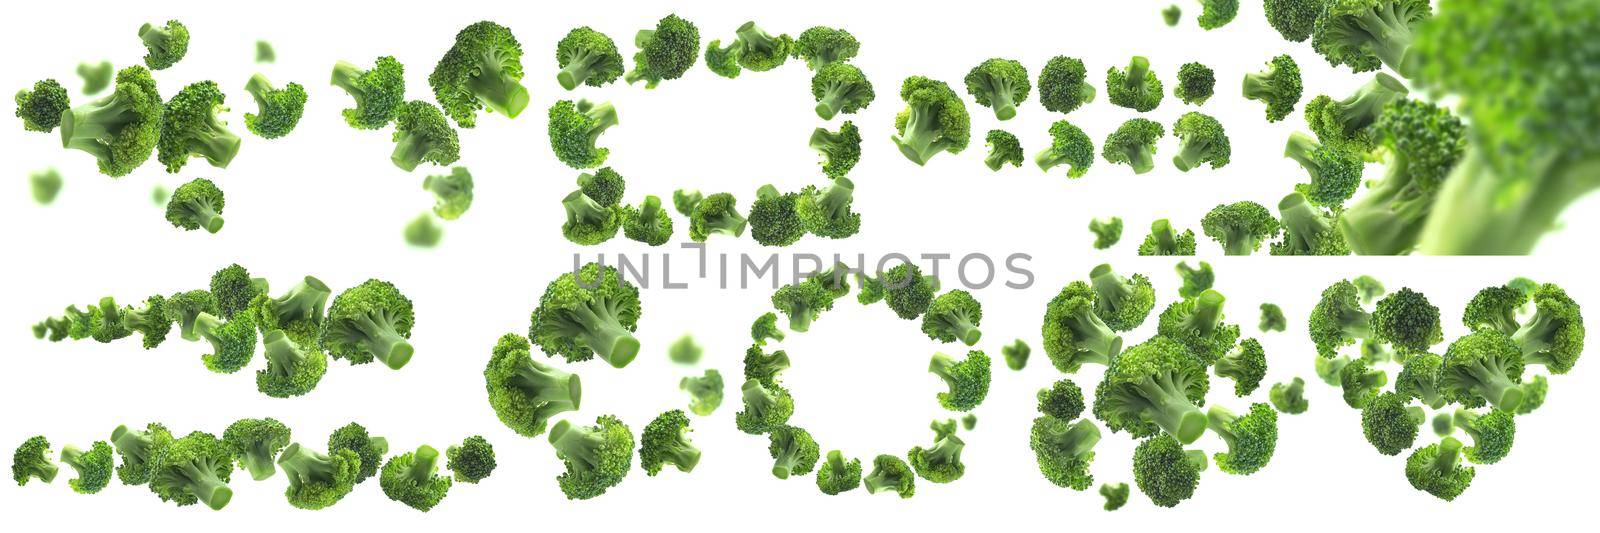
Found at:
<point>684,351</point>
<point>193,469</point>
<point>234,289</point>
<point>452,192</point>
<point>1335,173</point>
<point>1064,450</point>
<point>574,128</point>
<point>378,92</point>
<point>472,460</point>
<point>96,76</point>
<point>940,463</point>
<point>760,51</point>
<point>822,46</point>
<point>1116,495</point>
<point>705,392</point>
<point>370,321</point>
<point>1217,13</point>
<point>578,319</point>
<point>890,473</point>
<point>165,45</point>
<point>1164,240</point>
<point>1495,308</point>
<point>1240,227</point>
<point>299,312</point>
<point>1001,84</point>
<point>190,126</point>
<point>1107,231</point>
<point>1165,472</point>
<point>1348,122</point>
<point>1196,323</point>
<point>1016,354</point>
<point>935,120</point>
<point>353,437</point>
<point>1553,336</point>
<point>717,214</point>
<point>318,481</point>
<point>1419,378</point>
<point>1289,397</point>
<point>823,212</point>
<point>766,327</point>
<point>265,53</point>
<point>423,231</point>
<point>802,302</point>
<point>587,57</point>
<point>32,460</point>
<point>1328,369</point>
<point>255,442</point>
<point>1444,424</point>
<point>1251,438</point>
<point>589,223</point>
<point>1294,19</point>
<point>1062,85</point>
<point>233,343</point>
<point>1369,287</point>
<point>526,393</point>
<point>953,316</point>
<point>1069,146</point>
<point>44,185</point>
<point>1360,383</point>
<point>1436,469</point>
<point>196,204</point>
<point>40,109</point>
<point>279,109</point>
<point>1153,387</point>
<point>120,130</point>
<point>765,408</point>
<point>412,478</point>
<point>1272,318</point>
<point>483,69</point>
<point>421,134</point>
<point>1533,394</point>
<point>1390,423</point>
<point>840,150</point>
<point>836,475</point>
<point>93,466</point>
<point>1196,83</point>
<point>1492,434</point>
<point>605,186</point>
<point>596,457</point>
<point>1406,320</point>
<point>1365,34</point>
<point>906,290</point>
<point>1003,148</point>
<point>1122,303</point>
<point>293,368</point>
<point>1308,230</point>
<point>665,53</point>
<point>1063,400</point>
<point>793,451</point>
<point>1201,140</point>
<point>1338,319</point>
<point>665,440</point>
<point>1278,86</point>
<point>764,367</point>
<point>1246,366</point>
<point>684,201</point>
<point>1134,144</point>
<point>967,379</point>
<point>1485,365</point>
<point>138,451</point>
<point>723,60</point>
<point>1135,87</point>
<point>1074,334</point>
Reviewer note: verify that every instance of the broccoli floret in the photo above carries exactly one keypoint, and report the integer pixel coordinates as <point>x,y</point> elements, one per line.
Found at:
<point>1016,354</point>
<point>822,46</point>
<point>1338,319</point>
<point>165,45</point>
<point>44,185</point>
<point>1444,424</point>
<point>1419,378</point>
<point>684,201</point>
<point>823,212</point>
<point>969,421</point>
<point>150,321</point>
<point>525,393</point>
<point>412,478</point>
<point>1492,434</point>
<point>1153,387</point>
<point>293,368</point>
<point>1003,148</point>
<point>1069,146</point>
<point>255,442</point>
<point>423,231</point>
<point>906,290</point>
<point>233,343</point>
<point>1073,333</point>
<point>705,392</point>
<point>421,134</point>
<point>1347,123</point>
<point>714,215</point>
<point>1289,397</point>
<point>279,109</point>
<point>578,319</point>
<point>234,289</point>
<point>378,92</point>
<point>1308,230</point>
<point>105,321</point>
<point>1246,366</point>
<point>967,379</point>
<point>1366,33</point>
<point>370,321</point>
<point>1523,285</point>
<point>1107,231</point>
<point>1165,472</point>
<point>1064,450</point>
<point>1062,85</point>
<point>1495,308</point>
<point>647,223</point>
<point>1390,423</point>
<point>802,302</point>
<point>472,460</point>
<point>1196,323</point>
<point>665,440</point>
<point>1436,469</point>
<point>665,53</point>
<point>1369,287</point>
<point>1240,227</point>
<point>190,126</point>
<point>605,186</point>
<point>1406,320</point>
<point>764,367</point>
<point>1196,83</point>
<point>93,466</point>
<point>1116,495</point>
<point>32,460</point>
<point>574,128</point>
<point>840,150</point>
<point>1164,240</point>
<point>723,60</point>
<point>353,437</point>
<point>1134,144</point>
<point>483,69</point>
<point>587,57</point>
<point>1063,400</point>
<point>1001,84</point>
<point>765,407</point>
<point>1533,394</point>
<point>942,462</point>
<point>1272,318</point>
<point>1485,365</point>
<point>761,51</point>
<point>40,109</point>
<point>836,475</point>
<point>1278,86</point>
<point>596,457</point>
<point>452,192</point>
<point>196,204</point>
<point>1217,13</point>
<point>265,53</point>
<point>120,130</point>
<point>193,469</point>
<point>1294,19</point>
<point>589,223</point>
<point>1328,369</point>
<point>1135,87</point>
<point>1553,337</point>
<point>1122,303</point>
<point>793,451</point>
<point>953,316</point>
<point>96,76</point>
<point>890,473</point>
<point>318,481</point>
<point>1335,173</point>
<point>1360,383</point>
<point>1251,438</point>
<point>766,327</point>
<point>299,312</point>
<point>935,120</point>
<point>138,451</point>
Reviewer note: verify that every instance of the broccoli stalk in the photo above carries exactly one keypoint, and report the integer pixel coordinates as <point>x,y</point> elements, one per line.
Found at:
<point>1363,33</point>
<point>967,379</point>
<point>317,481</point>
<point>378,92</point>
<point>1335,173</point>
<point>890,473</point>
<point>1308,230</point>
<point>596,457</point>
<point>255,441</point>
<point>579,319</point>
<point>421,134</point>
<point>482,69</point>
<point>194,469</point>
<point>370,321</point>
<point>1437,470</point>
<point>1000,84</point>
<point>1135,87</point>
<point>1064,451</point>
<point>953,316</point>
<point>120,130</point>
<point>412,479</point>
<point>665,441</point>
<point>1279,87</point>
<point>1153,387</point>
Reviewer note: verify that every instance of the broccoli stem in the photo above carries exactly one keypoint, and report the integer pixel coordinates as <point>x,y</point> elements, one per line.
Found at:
<point>200,479</point>
<point>495,87</point>
<point>683,455</point>
<point>1190,154</point>
<point>1141,158</point>
<point>131,445</point>
<point>576,445</point>
<point>543,387</point>
<point>424,462</point>
<point>306,301</point>
<point>1475,214</point>
<point>154,37</point>
<point>259,463</point>
<point>578,68</point>
<point>1170,409</point>
<point>832,100</point>
<point>1078,439</point>
<point>1048,159</point>
<point>215,143</point>
<point>920,137</point>
<point>1534,338</point>
<point>1449,455</point>
<point>581,209</point>
<point>379,338</point>
<point>1389,218</point>
<point>1001,99</point>
<point>799,316</point>
<point>1258,85</point>
<point>281,353</point>
<point>303,466</point>
<point>836,200</point>
<point>1099,343</point>
<point>754,38</point>
<point>994,160</point>
<point>1492,383</point>
<point>87,127</point>
<point>604,334</point>
<point>1138,68</point>
<point>1166,238</point>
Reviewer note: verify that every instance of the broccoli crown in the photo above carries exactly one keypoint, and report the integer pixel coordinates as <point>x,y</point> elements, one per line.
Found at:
<point>1201,140</point>
<point>906,290</point>
<point>1164,240</point>
<point>1217,13</point>
<point>1070,146</point>
<point>588,222</point>
<point>716,214</point>
<point>44,185</point>
<point>234,289</point>
<point>106,321</point>
<point>1554,336</point>
<point>684,201</point>
<point>1196,323</point>
<point>190,126</point>
<point>1073,333</point>
<point>1294,19</point>
<point>1003,148</point>
<point>793,451</point>
<point>1246,366</point>
<point>525,393</point>
<point>32,460</point>
<point>1436,469</point>
<point>775,217</point>
<point>412,478</point>
<point>941,463</point>
<point>666,52</point>
<point>1251,438</point>
<point>193,469</point>
<point>648,223</point>
<point>967,379</point>
<point>1153,387</point>
<point>255,442</point>
<point>138,451</point>
<point>764,367</point>
<point>293,367</point>
<point>822,46</point>
<point>605,186</point>
<point>588,312</point>
<point>196,204</point>
<point>94,466</point>
<point>803,302</point>
<point>1492,434</point>
<point>760,51</point>
<point>233,343</point>
<point>1122,303</point>
<point>596,457</point>
<point>41,108</point>
<point>1338,319</point>
<point>935,120</point>
<point>1000,84</point>
<point>1289,397</point>
<point>1308,230</point>
<point>840,150</point>
<point>890,473</point>
<point>1390,423</point>
<point>1272,318</point>
<point>353,437</point>
<point>836,475</point>
<point>452,192</point>
<point>1165,472</point>
<point>378,92</point>
<point>1116,495</point>
<point>1419,378</point>
<point>483,69</point>
<point>1495,308</point>
<point>1016,354</point>
<point>318,481</point>
<point>1361,383</point>
<point>766,327</point>
<point>1196,83</point>
<point>421,134</point>
<point>1348,122</point>
<point>1485,365</point>
<point>587,57</point>
<point>1364,34</point>
<point>120,130</point>
<point>1406,320</point>
<point>370,321</point>
<point>278,109</point>
<point>298,313</point>
<point>164,45</point>
<point>1240,226</point>
<point>1335,172</point>
<point>953,316</point>
<point>1135,87</point>
<point>574,128</point>
<point>765,407</point>
<point>1134,144</point>
<point>1063,400</point>
<point>705,391</point>
<point>1064,450</point>
<point>723,60</point>
<point>665,440</point>
<point>1062,85</point>
<point>1107,231</point>
<point>1279,87</point>
<point>96,76</point>
<point>150,321</point>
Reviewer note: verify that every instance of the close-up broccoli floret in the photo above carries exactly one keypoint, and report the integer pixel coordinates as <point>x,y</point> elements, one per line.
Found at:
<point>1492,434</point>
<point>526,393</point>
<point>233,342</point>
<point>1364,34</point>
<point>890,473</point>
<point>1165,240</point>
<point>93,466</point>
<point>196,204</point>
<point>837,475</point>
<point>1369,287</point>
<point>1004,148</point>
<point>665,441</point>
<point>1217,13</point>
<point>165,45</point>
<point>1294,19</point>
<point>1064,450</point>
<point>472,460</point>
<point>1407,321</point>
<point>1390,423</point>
<point>665,53</point>
<point>1534,391</point>
<point>822,46</point>
<point>716,214</point>
<point>1495,308</point>
<point>138,451</point>
<point>940,463</point>
<point>1154,387</point>
<point>1360,383</point>
<point>1073,333</point>
<point>587,57</point>
<point>802,302</point>
<point>953,316</point>
<point>1063,400</point>
<point>1069,146</point>
<point>1419,379</point>
<point>278,109</point>
<point>318,481</point>
<point>766,327</point>
<point>32,460</point>
<point>1483,366</point>
<point>824,212</point>
<point>452,192</point>
<point>1246,365</point>
<point>1107,232</point>
<point>1122,303</point>
<point>1001,84</point>
<point>370,321</point>
<point>1135,87</point>
<point>1335,172</point>
<point>1436,469</point>
<point>483,69</point>
<point>194,469</point>
<point>840,150</point>
<point>1062,85</point>
<point>1347,123</point>
<point>44,186</point>
<point>967,379</point>
<point>935,120</point>
<point>764,367</point>
<point>793,451</point>
<point>1272,318</point>
<point>605,186</point>
<point>1252,437</point>
<point>648,223</point>
<point>1553,336</point>
<point>1196,83</point>
<point>760,51</point>
<point>1201,139</point>
<point>1134,144</point>
<point>190,126</point>
<point>255,443</point>
<point>299,312</point>
<point>379,92</point>
<point>1308,230</point>
<point>96,76</point>
<point>705,391</point>
<point>422,135</point>
<point>354,438</point>
<point>588,222</point>
<point>840,88</point>
<point>1165,472</point>
<point>765,407</point>
<point>1328,369</point>
<point>906,290</point>
<point>1196,323</point>
<point>412,478</point>
<point>1278,86</point>
<point>120,130</point>
<point>1289,397</point>
<point>293,367</point>
<point>574,128</point>
<point>1338,319</point>
<point>596,457</point>
<point>234,289</point>
<point>595,315</point>
<point>40,108</point>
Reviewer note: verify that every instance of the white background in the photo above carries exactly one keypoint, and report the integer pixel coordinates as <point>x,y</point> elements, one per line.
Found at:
<point>326,201</point>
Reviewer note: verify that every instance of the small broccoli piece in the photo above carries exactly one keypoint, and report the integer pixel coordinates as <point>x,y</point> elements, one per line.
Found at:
<point>293,369</point>
<point>1003,148</point>
<point>764,367</point>
<point>1553,337</point>
<point>1001,84</point>
<point>1294,19</point>
<point>822,46</point>
<point>44,185</point>
<point>1329,368</point>
<point>1406,320</point>
<point>525,393</point>
<point>421,134</point>
<point>1016,354</point>
<point>1308,230</point>
<point>93,466</point>
<point>967,379</point>
<point>370,450</point>
<point>587,57</point>
<point>120,130</point>
<point>318,481</point>
<point>1153,387</point>
<point>1107,231</point>
<point>1444,424</point>
<point>1063,400</point>
<point>793,451</point>
<point>194,469</point>
<point>940,463</point>
<point>1289,397</point>
<point>1335,173</point>
<point>165,45</point>
<point>765,407</point>
<point>953,316</point>
<point>1062,85</point>
<point>942,429</point>
<point>1348,123</point>
<point>890,473</point>
<point>1165,472</point>
<point>32,460</point>
<point>150,321</point>
<point>412,478</point>
<point>1240,227</point>
<point>665,440</point>
<point>196,204</point>
<point>40,109</point>
<point>823,212</point>
<point>717,214</point>
<point>234,289</point>
<point>1495,308</point>
<point>705,392</point>
<point>595,316</point>
<point>1251,438</point>
<point>159,194</point>
<point>299,312</point>
<point>370,321</point>
<point>802,302</point>
<point>574,128</point>
<point>96,76</point>
<point>279,109</point>
<point>1361,383</point>
<point>684,351</point>
<point>233,343</point>
<point>1492,434</point>
<point>840,150</point>
<point>1246,366</point>
<point>1485,365</point>
<point>1116,495</point>
<point>1164,240</point>
<point>1069,146</point>
<point>1196,323</point>
<point>684,201</point>
<point>1135,87</point>
<point>483,69</point>
<point>1201,140</point>
<point>1390,423</point>
<point>665,53</point>
<point>423,231</point>
<point>1279,87</point>
<point>1338,319</point>
<point>1419,378</point>
<point>255,442</point>
<point>605,186</point>
<point>647,223</point>
<point>138,451</point>
<point>1370,288</point>
<point>1196,83</point>
<point>766,327</point>
<point>452,192</point>
<point>596,457</point>
<point>836,475</point>
<point>378,92</point>
<point>1122,303</point>
<point>1523,286</point>
<point>190,126</point>
<point>1217,13</point>
<point>935,120</point>
<point>1436,469</point>
<point>1074,334</point>
<point>265,53</point>
<point>906,290</point>
<point>472,460</point>
<point>1366,33</point>
<point>760,51</point>
<point>1533,394</point>
<point>1134,144</point>
<point>1064,450</point>
<point>1272,318</point>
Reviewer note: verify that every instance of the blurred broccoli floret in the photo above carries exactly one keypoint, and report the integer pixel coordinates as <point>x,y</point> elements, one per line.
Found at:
<point>1165,472</point>
<point>1272,318</point>
<point>665,53</point>
<point>587,57</point>
<point>483,69</point>
<point>1116,494</point>
<point>705,392</point>
<point>1196,83</point>
<point>1308,230</point>
<point>840,150</point>
<point>1252,437</point>
<point>40,109</point>
<point>44,185</point>
<point>935,120</point>
<point>412,478</point>
<point>1134,144</point>
<point>164,45</point>
<point>1348,123</point>
<point>120,130</point>
<point>96,76</point>
<point>190,126</point>
<point>452,192</point>
<point>265,53</point>
<point>665,441</point>
<point>1164,240</point>
<point>1064,451</point>
<point>1016,354</point>
<point>423,231</point>
<point>1107,231</point>
<point>1069,146</point>
<point>1062,85</point>
<point>279,110</point>
<point>1289,397</point>
<point>421,134</point>
<point>378,92</point>
<point>526,393</point>
<point>590,312</point>
<point>1135,87</point>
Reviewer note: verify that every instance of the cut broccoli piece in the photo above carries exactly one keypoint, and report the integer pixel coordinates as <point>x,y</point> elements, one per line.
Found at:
<point>93,466</point>
<point>935,120</point>
<point>574,128</point>
<point>1366,33</point>
<point>1073,333</point>
<point>526,393</point>
<point>370,321</point>
<point>1308,230</point>
<point>293,368</point>
<point>705,392</point>
<point>318,481</point>
<point>412,478</point>
<point>1062,85</point>
<point>452,192</point>
<point>765,408</point>
<point>1154,387</point>
<point>353,437</point>
<point>265,53</point>
<point>44,185</point>
<point>764,367</point>
<point>1406,320</point>
<point>1016,354</point>
<point>1495,308</point>
<point>1338,319</point>
<point>890,473</point>
<point>1390,423</point>
<point>717,214</point>
<point>1134,144</point>
<point>953,316</point>
<point>1553,337</point>
<point>1201,140</point>
<point>165,45</point>
<point>836,475</point>
<point>1135,87</point>
<point>823,212</point>
<point>1107,231</point>
<point>840,150</point>
<point>1419,378</point>
<point>940,463</point>
<point>40,109</point>
<point>138,451</point>
<point>234,289</point>
<point>421,134</point>
<point>1069,146</point>
<point>1164,240</point>
<point>150,321</point>
<point>1116,495</point>
<point>472,460</point>
<point>593,311</point>
<point>96,76</point>
<point>193,469</point>
<point>906,290</point>
<point>1444,424</point>
<point>483,69</point>
<point>1436,469</point>
<point>1533,394</point>
<point>793,451</point>
<point>1492,434</point>
<point>1361,383</point>
<point>802,302</point>
<point>766,327</point>
<point>1278,86</point>
<point>822,46</point>
<point>1335,173</point>
<point>1122,303</point>
<point>760,51</point>
<point>1289,397</point>
<point>1246,366</point>
<point>665,440</point>
<point>647,223</point>
<point>196,204</point>
<point>596,457</point>
<point>1196,83</point>
<point>190,126</point>
<point>1294,19</point>
<point>684,201</point>
<point>1003,148</point>
<point>1329,368</point>
<point>1370,288</point>
<point>233,343</point>
<point>255,442</point>
<point>32,460</point>
<point>423,231</point>
<point>605,186</point>
<point>1251,437</point>
<point>1064,451</point>
<point>279,110</point>
<point>665,53</point>
<point>1272,318</point>
<point>378,92</point>
<point>1217,13</point>
<point>1348,122</point>
<point>1196,323</point>
<point>587,57</point>
<point>967,379</point>
<point>1165,472</point>
<point>1063,400</point>
<point>120,130</point>
<point>1485,365</point>
<point>1001,84</point>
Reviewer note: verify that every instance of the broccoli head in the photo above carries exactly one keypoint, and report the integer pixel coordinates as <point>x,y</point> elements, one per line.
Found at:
<point>1062,85</point>
<point>1064,450</point>
<point>40,109</point>
<point>255,442</point>
<point>150,321</point>
<point>761,51</point>
<point>1134,144</point>
<point>234,289</point>
<point>233,343</point>
<point>840,150</point>
<point>278,109</point>
<point>1240,227</point>
<point>1485,365</point>
<point>1328,369</point>
<point>482,70</point>
<point>298,313</point>
<point>1308,230</point>
<point>587,57</point>
<point>765,407</point>
<point>596,457</point>
<point>194,469</point>
<point>318,481</point>
<point>1003,148</point>
<point>684,201</point>
<point>822,46</point>
<point>1348,123</point>
<point>190,126</point>
<point>1289,397</point>
<point>93,466</point>
<point>1251,437</point>
<point>935,120</point>
<point>164,45</point>
<point>967,379</point>
<point>1390,423</point>
<point>1165,472</point>
<point>472,460</point>
<point>588,222</point>
<point>665,53</point>
<point>1063,400</point>
<point>421,134</point>
<point>766,327</point>
<point>1196,323</point>
<point>705,391</point>
<point>836,475</point>
<point>1361,383</point>
<point>120,130</point>
<point>1164,240</point>
<point>1201,140</point>
<point>1069,146</point>
<point>1196,83</point>
<point>890,473</point>
<point>764,367</point>
<point>647,223</point>
<point>293,368</point>
<point>525,393</point>
<point>138,451</point>
<point>96,76</point>
<point>1001,84</point>
<point>1246,366</point>
<point>1495,308</point>
<point>1016,354</point>
<point>196,204</point>
<point>1217,13</point>
<point>412,478</point>
<point>1335,172</point>
<point>1406,320</point>
<point>715,214</point>
<point>775,217</point>
<point>953,316</point>
<point>370,321</point>
<point>1073,333</point>
<point>1533,394</point>
<point>1278,86</point>
<point>906,290</point>
<point>1107,231</point>
<point>592,311</point>
<point>1135,87</point>
<point>1122,303</point>
<point>665,440</point>
<point>793,451</point>
<point>574,128</point>
<point>1272,318</point>
<point>1154,387</point>
<point>940,463</point>
<point>32,460</point>
<point>605,186</point>
<point>1365,34</point>
<point>1294,19</point>
<point>1553,337</point>
<point>369,450</point>
<point>378,92</point>
<point>802,302</point>
<point>1436,469</point>
<point>1338,319</point>
<point>1419,378</point>
<point>452,192</point>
